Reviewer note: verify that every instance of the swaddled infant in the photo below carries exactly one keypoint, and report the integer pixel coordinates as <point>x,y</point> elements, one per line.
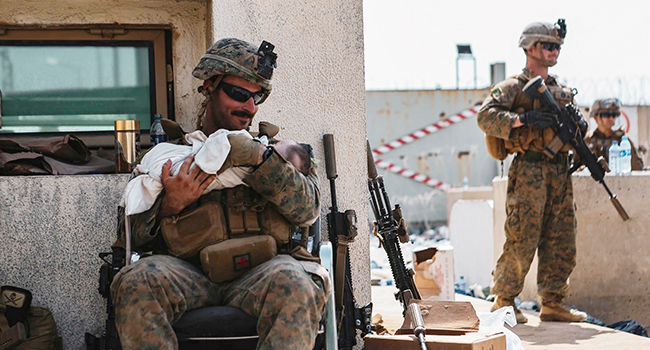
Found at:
<point>210,154</point>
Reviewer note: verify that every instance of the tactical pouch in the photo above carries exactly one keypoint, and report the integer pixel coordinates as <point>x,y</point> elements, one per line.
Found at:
<point>241,206</point>
<point>42,329</point>
<point>246,222</point>
<point>553,147</point>
<point>230,259</point>
<point>562,95</point>
<point>275,225</point>
<point>242,222</point>
<point>248,214</point>
<point>496,147</point>
<point>186,234</point>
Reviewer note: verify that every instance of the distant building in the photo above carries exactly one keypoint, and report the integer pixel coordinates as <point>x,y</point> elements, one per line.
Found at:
<point>449,154</point>
<point>446,155</point>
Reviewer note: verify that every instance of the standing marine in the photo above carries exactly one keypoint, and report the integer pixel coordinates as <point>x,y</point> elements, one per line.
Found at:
<point>539,204</point>
<point>285,294</point>
<point>605,112</point>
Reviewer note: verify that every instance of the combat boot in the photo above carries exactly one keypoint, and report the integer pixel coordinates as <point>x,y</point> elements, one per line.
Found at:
<point>500,302</point>
<point>559,312</point>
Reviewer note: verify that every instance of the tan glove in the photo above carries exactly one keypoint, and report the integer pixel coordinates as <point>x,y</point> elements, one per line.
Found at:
<point>243,151</point>
<point>268,129</point>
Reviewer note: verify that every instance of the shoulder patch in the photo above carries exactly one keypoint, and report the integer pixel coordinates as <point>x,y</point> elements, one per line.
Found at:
<point>496,91</point>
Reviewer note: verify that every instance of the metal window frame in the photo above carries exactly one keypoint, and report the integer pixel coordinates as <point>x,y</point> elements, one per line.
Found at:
<point>157,37</point>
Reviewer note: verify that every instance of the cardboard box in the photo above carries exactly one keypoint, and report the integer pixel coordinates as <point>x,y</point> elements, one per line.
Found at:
<point>444,318</point>
<point>434,273</point>
<point>469,341</point>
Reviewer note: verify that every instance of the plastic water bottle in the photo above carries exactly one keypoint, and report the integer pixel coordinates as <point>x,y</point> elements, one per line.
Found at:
<point>614,158</point>
<point>626,156</point>
<point>465,183</point>
<point>157,133</point>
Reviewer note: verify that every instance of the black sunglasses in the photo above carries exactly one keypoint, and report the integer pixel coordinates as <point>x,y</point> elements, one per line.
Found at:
<point>240,94</point>
<point>609,114</point>
<point>550,46</point>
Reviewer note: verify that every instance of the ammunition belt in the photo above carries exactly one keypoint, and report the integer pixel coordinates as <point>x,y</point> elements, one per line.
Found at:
<point>534,156</point>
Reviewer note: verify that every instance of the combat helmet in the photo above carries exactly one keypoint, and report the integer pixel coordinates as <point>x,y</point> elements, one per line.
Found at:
<point>235,57</point>
<point>543,32</point>
<point>605,105</point>
<point>240,58</point>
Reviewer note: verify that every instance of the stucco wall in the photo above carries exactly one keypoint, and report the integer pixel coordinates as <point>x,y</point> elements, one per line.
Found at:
<point>318,88</point>
<point>52,229</point>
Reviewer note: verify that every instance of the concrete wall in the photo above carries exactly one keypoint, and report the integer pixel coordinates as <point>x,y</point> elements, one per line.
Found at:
<point>318,88</point>
<point>52,229</point>
<point>393,114</point>
<point>470,228</point>
<point>610,280</point>
<point>475,193</point>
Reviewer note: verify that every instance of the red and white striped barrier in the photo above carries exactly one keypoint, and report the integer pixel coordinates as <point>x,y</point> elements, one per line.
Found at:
<point>427,130</point>
<point>412,175</point>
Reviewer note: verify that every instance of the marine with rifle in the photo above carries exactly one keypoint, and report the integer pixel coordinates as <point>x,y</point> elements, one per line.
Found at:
<point>539,205</point>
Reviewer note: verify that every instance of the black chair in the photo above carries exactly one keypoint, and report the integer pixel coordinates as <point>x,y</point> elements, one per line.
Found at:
<point>196,329</point>
<point>226,327</point>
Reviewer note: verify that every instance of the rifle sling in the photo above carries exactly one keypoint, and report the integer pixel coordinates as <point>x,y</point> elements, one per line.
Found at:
<point>339,279</point>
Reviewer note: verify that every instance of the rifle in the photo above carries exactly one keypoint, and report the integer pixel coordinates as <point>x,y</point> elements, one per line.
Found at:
<point>342,230</point>
<point>390,228</point>
<point>109,339</point>
<point>567,130</point>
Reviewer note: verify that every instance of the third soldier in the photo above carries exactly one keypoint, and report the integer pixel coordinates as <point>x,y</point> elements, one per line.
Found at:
<point>605,112</point>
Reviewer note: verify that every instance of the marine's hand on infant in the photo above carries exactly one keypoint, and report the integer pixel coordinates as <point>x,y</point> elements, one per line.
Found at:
<point>244,151</point>
<point>183,188</point>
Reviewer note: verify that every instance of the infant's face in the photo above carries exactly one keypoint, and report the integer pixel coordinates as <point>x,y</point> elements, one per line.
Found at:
<point>283,147</point>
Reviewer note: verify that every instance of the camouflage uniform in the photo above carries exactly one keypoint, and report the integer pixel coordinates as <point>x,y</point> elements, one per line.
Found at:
<point>539,205</point>
<point>288,296</point>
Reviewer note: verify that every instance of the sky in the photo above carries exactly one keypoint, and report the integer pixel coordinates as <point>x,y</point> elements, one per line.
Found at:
<point>411,44</point>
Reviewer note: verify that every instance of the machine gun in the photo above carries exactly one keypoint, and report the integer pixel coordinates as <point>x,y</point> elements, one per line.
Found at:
<point>109,339</point>
<point>390,227</point>
<point>342,229</point>
<point>567,130</point>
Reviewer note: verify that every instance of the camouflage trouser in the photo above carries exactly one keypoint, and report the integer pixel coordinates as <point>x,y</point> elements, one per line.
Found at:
<point>540,215</point>
<point>155,292</point>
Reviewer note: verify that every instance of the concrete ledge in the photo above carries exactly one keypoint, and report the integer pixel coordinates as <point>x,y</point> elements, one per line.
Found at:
<point>613,265</point>
<point>52,229</point>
